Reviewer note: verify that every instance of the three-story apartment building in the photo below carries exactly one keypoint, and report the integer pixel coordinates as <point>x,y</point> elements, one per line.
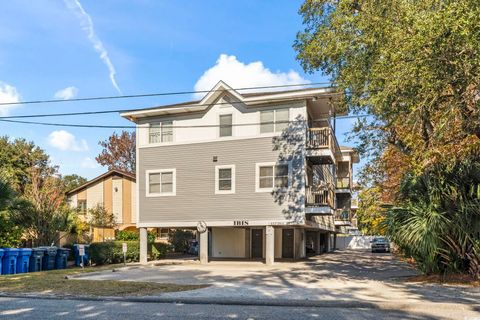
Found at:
<point>254,173</point>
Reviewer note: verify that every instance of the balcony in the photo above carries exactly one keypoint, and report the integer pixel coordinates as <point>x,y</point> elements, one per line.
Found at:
<point>343,184</point>
<point>321,145</point>
<point>319,200</point>
<point>343,217</point>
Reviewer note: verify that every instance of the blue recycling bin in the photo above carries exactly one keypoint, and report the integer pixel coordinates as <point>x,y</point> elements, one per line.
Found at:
<point>49,257</point>
<point>61,258</point>
<point>86,257</point>
<point>9,261</point>
<point>1,256</point>
<point>23,260</point>
<point>36,258</point>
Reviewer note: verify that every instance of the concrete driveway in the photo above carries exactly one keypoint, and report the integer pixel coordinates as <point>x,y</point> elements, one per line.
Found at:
<point>348,276</point>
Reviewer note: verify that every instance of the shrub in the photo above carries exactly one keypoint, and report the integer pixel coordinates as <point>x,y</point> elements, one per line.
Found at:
<point>179,239</point>
<point>127,236</point>
<point>158,250</point>
<point>111,252</point>
<point>134,236</point>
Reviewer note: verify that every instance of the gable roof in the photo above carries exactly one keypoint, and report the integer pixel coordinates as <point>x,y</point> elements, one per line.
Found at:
<point>100,177</point>
<point>248,99</point>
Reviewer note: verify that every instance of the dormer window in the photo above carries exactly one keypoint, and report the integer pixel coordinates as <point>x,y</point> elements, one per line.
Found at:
<point>161,132</point>
<point>225,121</point>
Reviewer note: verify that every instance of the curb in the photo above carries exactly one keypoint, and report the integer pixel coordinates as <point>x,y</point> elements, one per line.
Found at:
<point>209,301</point>
<point>345,304</point>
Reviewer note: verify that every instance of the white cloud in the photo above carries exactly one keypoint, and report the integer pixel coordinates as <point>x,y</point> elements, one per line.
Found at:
<point>65,141</point>
<point>241,75</point>
<point>87,26</point>
<point>8,94</point>
<point>66,93</point>
<point>89,163</point>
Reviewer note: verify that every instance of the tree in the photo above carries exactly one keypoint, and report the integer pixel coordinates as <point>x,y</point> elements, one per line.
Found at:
<point>100,217</point>
<point>417,77</point>
<point>72,181</point>
<point>118,152</point>
<point>437,220</point>
<point>48,212</point>
<point>412,67</point>
<point>10,233</point>
<point>16,158</point>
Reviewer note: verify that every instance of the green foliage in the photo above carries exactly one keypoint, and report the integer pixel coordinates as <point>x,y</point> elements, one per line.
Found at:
<point>36,204</point>
<point>17,157</point>
<point>10,233</point>
<point>101,218</point>
<point>158,250</point>
<point>125,235</point>
<point>438,220</point>
<point>369,214</point>
<point>179,239</point>
<point>72,181</point>
<point>111,251</point>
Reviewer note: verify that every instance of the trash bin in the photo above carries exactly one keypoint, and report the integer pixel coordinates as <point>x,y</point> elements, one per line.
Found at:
<point>49,257</point>
<point>86,257</point>
<point>36,260</point>
<point>1,256</point>
<point>61,258</point>
<point>23,260</point>
<point>9,261</point>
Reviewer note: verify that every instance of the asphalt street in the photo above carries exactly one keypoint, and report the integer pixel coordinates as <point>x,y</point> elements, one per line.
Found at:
<point>23,308</point>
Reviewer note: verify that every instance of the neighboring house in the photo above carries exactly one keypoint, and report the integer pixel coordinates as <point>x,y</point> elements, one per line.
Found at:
<point>255,171</point>
<point>114,190</point>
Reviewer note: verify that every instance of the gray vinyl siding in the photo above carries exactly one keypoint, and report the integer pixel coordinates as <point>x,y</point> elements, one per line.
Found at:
<point>195,197</point>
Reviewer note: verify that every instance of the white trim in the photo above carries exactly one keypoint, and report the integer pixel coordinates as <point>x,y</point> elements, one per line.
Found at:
<point>160,194</point>
<point>137,175</point>
<point>230,166</point>
<point>248,101</point>
<point>157,145</point>
<point>220,223</point>
<point>264,164</point>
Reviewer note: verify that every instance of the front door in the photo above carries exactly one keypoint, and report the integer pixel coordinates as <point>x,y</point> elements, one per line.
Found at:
<point>257,243</point>
<point>287,243</point>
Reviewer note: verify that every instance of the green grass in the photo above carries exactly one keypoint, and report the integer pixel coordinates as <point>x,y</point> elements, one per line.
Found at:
<point>59,282</point>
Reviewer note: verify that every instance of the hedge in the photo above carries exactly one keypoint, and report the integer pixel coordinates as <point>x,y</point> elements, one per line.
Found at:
<point>111,251</point>
<point>126,235</point>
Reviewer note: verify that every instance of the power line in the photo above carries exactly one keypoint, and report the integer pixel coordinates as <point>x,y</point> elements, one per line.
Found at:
<point>172,126</point>
<point>161,94</point>
<point>133,110</point>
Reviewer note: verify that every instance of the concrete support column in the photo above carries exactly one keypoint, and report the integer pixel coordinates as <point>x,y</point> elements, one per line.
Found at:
<point>334,241</point>
<point>269,245</point>
<point>143,245</point>
<point>203,250</point>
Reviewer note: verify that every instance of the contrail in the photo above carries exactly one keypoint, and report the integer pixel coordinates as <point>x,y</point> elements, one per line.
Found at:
<point>87,25</point>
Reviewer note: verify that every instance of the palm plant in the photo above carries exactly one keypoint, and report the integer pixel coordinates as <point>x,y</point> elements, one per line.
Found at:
<point>437,221</point>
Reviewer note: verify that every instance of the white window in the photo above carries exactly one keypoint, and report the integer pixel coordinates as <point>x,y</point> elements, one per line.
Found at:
<point>163,233</point>
<point>271,175</point>
<point>161,182</point>
<point>225,179</point>
<point>225,128</point>
<point>160,132</point>
<point>274,120</point>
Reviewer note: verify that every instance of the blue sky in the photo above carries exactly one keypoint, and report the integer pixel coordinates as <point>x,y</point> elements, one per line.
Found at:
<point>79,48</point>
